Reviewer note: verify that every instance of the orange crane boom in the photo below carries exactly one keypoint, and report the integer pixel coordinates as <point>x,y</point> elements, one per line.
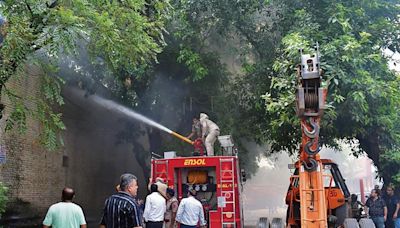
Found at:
<point>310,105</point>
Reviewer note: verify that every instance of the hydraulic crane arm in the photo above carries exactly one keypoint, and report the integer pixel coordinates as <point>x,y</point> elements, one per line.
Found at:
<point>310,105</point>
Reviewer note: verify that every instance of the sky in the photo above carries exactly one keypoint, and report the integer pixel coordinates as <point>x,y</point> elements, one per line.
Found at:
<point>394,63</point>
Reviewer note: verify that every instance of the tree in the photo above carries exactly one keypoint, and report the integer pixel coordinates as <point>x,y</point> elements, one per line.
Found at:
<point>254,102</point>
<point>363,93</point>
<point>122,35</point>
<point>353,36</point>
<point>202,34</point>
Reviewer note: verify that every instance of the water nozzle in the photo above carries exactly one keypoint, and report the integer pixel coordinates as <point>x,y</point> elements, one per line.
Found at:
<point>183,138</point>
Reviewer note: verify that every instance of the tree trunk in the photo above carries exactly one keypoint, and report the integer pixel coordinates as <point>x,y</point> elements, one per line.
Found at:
<point>370,144</point>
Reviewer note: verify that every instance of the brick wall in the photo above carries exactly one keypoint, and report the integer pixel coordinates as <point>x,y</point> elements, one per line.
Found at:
<point>93,161</point>
<point>32,174</point>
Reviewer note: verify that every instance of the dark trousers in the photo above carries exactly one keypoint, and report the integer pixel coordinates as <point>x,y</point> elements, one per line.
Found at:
<point>389,222</point>
<point>186,226</point>
<point>154,224</point>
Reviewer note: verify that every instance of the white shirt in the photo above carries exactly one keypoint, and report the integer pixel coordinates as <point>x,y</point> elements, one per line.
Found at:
<point>190,212</point>
<point>207,126</point>
<point>154,208</point>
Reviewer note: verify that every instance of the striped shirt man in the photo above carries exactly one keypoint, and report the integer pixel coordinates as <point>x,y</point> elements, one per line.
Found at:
<point>121,211</point>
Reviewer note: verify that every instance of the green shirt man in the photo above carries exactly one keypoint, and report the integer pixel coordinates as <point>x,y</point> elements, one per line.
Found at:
<point>65,214</point>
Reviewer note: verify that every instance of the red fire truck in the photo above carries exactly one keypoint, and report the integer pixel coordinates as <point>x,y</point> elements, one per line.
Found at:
<point>216,179</point>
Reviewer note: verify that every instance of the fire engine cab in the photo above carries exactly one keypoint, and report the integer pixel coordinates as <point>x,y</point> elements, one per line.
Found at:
<point>216,179</point>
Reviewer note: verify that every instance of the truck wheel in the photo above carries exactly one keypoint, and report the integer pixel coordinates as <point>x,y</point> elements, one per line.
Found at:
<point>350,223</point>
<point>263,222</point>
<point>341,214</point>
<point>277,223</point>
<point>366,223</point>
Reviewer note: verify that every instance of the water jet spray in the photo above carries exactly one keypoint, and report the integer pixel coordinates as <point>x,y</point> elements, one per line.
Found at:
<point>111,105</point>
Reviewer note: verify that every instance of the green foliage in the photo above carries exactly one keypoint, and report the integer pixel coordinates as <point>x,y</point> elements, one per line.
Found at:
<point>390,165</point>
<point>193,62</point>
<point>52,122</point>
<point>124,34</point>
<point>255,103</point>
<point>202,35</point>
<point>3,198</point>
<point>363,92</point>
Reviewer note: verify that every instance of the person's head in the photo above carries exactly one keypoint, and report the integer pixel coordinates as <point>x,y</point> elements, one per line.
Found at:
<point>203,116</point>
<point>160,179</point>
<point>390,190</point>
<point>67,194</point>
<point>195,120</point>
<point>191,192</point>
<point>378,190</point>
<point>153,188</point>
<point>128,184</point>
<point>170,193</point>
<point>374,193</point>
<point>354,198</point>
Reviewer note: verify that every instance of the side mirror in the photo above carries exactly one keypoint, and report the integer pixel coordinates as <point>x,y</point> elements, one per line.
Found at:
<point>243,173</point>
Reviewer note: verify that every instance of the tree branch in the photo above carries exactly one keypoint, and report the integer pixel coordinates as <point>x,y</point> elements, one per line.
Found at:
<point>9,92</point>
<point>52,5</point>
<point>29,8</point>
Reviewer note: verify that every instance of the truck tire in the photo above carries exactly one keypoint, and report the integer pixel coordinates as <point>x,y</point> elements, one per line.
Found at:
<point>341,214</point>
<point>366,223</point>
<point>350,223</point>
<point>263,222</point>
<point>277,223</point>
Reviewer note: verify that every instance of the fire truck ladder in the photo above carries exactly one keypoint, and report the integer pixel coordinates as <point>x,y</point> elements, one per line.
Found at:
<point>227,181</point>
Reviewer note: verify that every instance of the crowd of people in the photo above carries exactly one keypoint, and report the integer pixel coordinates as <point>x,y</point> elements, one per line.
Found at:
<point>383,208</point>
<point>163,210</point>
<point>123,210</point>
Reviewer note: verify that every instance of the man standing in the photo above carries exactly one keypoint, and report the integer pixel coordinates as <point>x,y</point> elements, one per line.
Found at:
<point>377,209</point>
<point>65,214</point>
<point>196,129</point>
<point>172,208</point>
<point>154,208</point>
<point>356,207</point>
<point>121,209</point>
<point>209,132</point>
<point>190,212</point>
<point>161,186</point>
<point>392,203</point>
